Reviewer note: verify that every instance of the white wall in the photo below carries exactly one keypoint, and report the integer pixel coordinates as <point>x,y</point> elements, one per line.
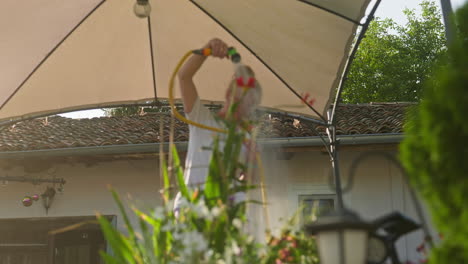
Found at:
<point>85,191</point>
<point>378,189</point>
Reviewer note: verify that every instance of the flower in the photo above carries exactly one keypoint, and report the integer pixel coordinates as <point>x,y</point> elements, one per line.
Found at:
<point>237,223</point>
<point>235,248</point>
<point>284,253</point>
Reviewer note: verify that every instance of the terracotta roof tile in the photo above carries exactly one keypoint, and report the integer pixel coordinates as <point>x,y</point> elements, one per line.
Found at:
<point>61,132</point>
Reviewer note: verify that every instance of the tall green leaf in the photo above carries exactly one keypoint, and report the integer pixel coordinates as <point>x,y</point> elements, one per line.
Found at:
<point>123,249</point>
<point>214,181</point>
<point>177,168</point>
<point>166,183</point>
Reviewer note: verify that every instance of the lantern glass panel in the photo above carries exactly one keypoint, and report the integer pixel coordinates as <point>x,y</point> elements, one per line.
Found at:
<point>354,246</point>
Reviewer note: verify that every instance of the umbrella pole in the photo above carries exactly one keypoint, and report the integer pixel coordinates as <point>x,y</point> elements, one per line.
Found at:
<point>365,26</point>
<point>447,13</point>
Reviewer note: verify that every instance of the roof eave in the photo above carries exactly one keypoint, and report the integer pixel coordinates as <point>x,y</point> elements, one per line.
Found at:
<point>268,143</point>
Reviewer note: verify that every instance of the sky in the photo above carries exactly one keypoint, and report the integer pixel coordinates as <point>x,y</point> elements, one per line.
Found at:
<point>394,8</point>
<point>388,8</point>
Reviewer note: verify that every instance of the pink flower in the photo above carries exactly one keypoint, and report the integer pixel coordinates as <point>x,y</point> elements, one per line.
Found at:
<point>284,253</point>
<point>421,248</point>
<point>294,244</point>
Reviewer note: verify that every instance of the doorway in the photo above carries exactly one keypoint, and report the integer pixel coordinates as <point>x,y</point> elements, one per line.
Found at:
<point>36,240</point>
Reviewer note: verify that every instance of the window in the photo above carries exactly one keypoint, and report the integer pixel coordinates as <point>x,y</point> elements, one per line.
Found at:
<point>308,198</point>
<point>312,206</point>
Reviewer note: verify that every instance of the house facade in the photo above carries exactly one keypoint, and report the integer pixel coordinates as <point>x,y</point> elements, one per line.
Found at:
<point>91,154</point>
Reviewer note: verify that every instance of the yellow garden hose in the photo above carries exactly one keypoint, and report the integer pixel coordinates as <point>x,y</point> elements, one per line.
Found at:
<point>176,113</point>
<point>171,99</point>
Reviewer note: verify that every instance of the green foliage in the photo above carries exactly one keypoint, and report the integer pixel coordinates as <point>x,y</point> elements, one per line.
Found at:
<point>435,149</point>
<point>133,110</point>
<point>393,61</point>
<point>123,111</point>
<point>210,226</point>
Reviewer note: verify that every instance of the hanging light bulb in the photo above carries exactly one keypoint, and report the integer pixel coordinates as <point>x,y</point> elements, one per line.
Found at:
<point>142,8</point>
<point>35,197</point>
<point>27,201</point>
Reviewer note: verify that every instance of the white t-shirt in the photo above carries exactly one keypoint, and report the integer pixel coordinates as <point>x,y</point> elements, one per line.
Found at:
<point>199,149</point>
<point>200,145</point>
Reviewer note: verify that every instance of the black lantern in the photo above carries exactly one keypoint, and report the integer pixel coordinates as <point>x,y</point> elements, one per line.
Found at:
<point>48,198</point>
<point>343,238</point>
<point>388,229</point>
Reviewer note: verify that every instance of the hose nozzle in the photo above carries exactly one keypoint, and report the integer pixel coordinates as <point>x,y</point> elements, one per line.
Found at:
<point>232,53</point>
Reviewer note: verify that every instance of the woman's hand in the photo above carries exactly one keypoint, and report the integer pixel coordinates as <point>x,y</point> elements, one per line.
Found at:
<point>218,48</point>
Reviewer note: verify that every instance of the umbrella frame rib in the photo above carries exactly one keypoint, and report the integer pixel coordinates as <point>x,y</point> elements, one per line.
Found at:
<point>334,142</point>
<point>52,51</point>
<point>143,103</point>
<point>152,58</point>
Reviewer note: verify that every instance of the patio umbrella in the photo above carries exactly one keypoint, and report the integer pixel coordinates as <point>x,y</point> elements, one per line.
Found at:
<point>64,55</point>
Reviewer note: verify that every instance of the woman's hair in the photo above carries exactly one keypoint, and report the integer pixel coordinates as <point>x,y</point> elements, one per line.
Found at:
<point>252,97</point>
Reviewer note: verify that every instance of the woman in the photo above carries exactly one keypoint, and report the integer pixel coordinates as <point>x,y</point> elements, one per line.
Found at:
<point>243,89</point>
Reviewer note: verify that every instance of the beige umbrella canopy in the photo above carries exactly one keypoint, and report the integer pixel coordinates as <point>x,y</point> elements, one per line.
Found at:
<point>64,55</point>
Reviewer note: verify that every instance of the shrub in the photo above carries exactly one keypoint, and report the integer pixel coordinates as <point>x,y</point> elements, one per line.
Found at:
<point>435,149</point>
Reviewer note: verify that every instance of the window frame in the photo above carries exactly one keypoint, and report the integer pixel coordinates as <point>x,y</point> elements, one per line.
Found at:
<point>314,197</point>
<point>297,190</point>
